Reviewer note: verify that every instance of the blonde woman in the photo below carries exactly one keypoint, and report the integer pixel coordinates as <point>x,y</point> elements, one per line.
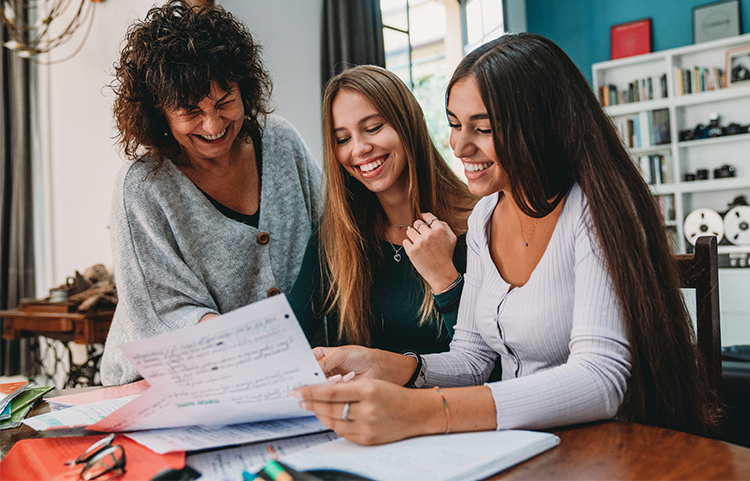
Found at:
<point>384,268</point>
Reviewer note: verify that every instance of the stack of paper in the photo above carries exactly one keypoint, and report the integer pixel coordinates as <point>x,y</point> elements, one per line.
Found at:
<point>236,369</point>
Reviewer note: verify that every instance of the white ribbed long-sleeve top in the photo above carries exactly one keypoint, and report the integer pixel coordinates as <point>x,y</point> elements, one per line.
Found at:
<point>561,336</point>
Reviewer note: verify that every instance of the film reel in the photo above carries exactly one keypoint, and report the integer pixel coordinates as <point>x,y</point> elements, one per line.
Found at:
<point>703,222</point>
<point>737,225</point>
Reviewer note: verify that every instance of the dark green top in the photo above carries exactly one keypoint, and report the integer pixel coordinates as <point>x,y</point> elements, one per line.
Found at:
<point>395,299</point>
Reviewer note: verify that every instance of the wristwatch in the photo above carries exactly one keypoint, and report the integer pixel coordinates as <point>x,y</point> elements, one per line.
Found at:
<point>419,378</point>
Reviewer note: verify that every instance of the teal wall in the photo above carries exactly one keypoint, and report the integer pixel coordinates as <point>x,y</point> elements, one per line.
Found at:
<point>581,27</point>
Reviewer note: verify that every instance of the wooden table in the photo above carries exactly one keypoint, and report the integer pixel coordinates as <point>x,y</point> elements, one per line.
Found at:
<point>56,320</point>
<point>600,451</point>
<point>60,320</point>
<point>616,450</point>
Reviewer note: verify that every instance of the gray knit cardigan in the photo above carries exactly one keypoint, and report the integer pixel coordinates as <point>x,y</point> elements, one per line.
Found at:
<point>176,258</point>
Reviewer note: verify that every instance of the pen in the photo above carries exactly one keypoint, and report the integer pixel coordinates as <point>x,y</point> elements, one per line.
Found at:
<point>276,472</point>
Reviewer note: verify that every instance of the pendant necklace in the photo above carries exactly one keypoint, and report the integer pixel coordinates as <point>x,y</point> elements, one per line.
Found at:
<point>397,255</point>
<point>523,238</point>
<point>399,226</point>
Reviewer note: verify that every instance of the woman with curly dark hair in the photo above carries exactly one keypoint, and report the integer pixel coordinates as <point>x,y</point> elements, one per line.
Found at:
<point>217,207</point>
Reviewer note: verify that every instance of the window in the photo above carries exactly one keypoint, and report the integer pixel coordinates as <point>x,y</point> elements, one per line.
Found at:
<point>424,42</point>
<point>483,21</point>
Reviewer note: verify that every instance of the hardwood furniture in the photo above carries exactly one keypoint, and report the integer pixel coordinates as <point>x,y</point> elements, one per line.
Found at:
<point>617,450</point>
<point>603,450</point>
<point>56,320</point>
<point>60,321</point>
<point>700,271</point>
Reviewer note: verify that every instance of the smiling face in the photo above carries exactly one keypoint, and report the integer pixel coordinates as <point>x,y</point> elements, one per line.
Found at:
<point>208,130</point>
<point>367,146</point>
<point>471,139</point>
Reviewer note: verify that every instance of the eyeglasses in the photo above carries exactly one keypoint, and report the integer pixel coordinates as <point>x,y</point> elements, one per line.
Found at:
<point>101,458</point>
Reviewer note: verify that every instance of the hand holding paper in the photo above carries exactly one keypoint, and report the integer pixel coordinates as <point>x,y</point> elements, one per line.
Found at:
<point>235,369</point>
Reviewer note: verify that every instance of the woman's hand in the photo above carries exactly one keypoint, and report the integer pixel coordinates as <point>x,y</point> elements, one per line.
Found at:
<point>429,244</point>
<point>379,412</point>
<point>366,363</point>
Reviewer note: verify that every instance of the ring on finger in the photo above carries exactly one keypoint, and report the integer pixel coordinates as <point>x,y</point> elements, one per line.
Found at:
<point>345,413</point>
<point>420,225</point>
<point>429,224</point>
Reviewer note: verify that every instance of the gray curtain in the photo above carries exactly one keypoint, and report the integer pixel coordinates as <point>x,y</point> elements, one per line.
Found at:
<point>352,35</point>
<point>16,226</point>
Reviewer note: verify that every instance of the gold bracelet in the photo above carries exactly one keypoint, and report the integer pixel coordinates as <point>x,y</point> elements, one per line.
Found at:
<point>447,411</point>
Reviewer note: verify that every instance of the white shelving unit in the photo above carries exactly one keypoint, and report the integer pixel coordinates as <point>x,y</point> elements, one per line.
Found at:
<point>685,112</point>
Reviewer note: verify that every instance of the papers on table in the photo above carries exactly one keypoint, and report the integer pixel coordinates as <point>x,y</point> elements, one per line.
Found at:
<point>236,368</point>
<point>195,438</point>
<point>77,416</point>
<point>228,464</point>
<point>465,456</point>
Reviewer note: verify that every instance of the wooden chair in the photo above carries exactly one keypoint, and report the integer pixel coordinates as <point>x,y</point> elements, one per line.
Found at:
<point>700,271</point>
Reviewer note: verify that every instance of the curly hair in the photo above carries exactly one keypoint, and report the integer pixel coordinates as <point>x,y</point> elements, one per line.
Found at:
<point>170,60</point>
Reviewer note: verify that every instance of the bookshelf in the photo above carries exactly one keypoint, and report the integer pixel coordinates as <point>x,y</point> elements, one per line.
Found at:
<point>643,92</point>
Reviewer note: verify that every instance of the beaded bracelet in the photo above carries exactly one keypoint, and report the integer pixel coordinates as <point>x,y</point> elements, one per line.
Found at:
<point>454,284</point>
<point>447,411</point>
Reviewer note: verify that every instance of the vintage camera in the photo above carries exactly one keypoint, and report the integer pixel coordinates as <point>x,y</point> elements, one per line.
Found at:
<point>701,174</point>
<point>700,132</point>
<point>686,135</point>
<point>714,127</point>
<point>725,171</point>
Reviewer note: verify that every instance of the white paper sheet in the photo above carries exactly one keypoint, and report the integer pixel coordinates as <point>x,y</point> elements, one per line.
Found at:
<point>464,456</point>
<point>236,368</point>
<point>228,464</point>
<point>195,438</point>
<point>76,416</point>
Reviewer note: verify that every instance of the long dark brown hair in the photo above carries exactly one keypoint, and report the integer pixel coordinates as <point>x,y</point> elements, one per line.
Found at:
<point>169,61</point>
<point>350,239</point>
<point>550,132</point>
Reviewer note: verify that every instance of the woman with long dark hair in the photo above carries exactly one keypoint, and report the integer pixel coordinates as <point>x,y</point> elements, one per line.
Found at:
<point>570,280</point>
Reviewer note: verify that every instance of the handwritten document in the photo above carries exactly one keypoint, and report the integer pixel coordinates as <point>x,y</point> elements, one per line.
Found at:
<point>228,464</point>
<point>194,438</point>
<point>236,368</point>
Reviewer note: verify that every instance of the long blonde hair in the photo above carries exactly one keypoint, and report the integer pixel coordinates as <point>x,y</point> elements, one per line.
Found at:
<point>353,220</point>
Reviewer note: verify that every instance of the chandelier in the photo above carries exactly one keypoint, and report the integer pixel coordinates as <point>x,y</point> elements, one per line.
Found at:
<point>38,26</point>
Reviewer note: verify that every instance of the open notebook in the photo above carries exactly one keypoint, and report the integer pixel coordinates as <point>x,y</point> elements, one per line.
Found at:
<point>465,456</point>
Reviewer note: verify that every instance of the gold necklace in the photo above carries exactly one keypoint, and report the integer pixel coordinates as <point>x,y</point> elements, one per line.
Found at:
<point>399,226</point>
<point>523,238</point>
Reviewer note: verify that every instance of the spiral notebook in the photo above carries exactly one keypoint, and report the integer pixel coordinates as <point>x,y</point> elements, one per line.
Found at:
<point>464,456</point>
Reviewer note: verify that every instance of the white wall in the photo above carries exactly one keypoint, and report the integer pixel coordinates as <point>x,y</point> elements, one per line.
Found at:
<point>77,159</point>
<point>290,32</point>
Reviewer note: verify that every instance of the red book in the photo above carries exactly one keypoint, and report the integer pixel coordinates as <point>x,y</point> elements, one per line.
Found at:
<point>631,38</point>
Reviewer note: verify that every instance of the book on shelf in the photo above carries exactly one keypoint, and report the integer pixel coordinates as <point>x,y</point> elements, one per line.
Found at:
<point>636,91</point>
<point>666,207</point>
<point>654,168</point>
<point>660,132</point>
<point>698,79</point>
